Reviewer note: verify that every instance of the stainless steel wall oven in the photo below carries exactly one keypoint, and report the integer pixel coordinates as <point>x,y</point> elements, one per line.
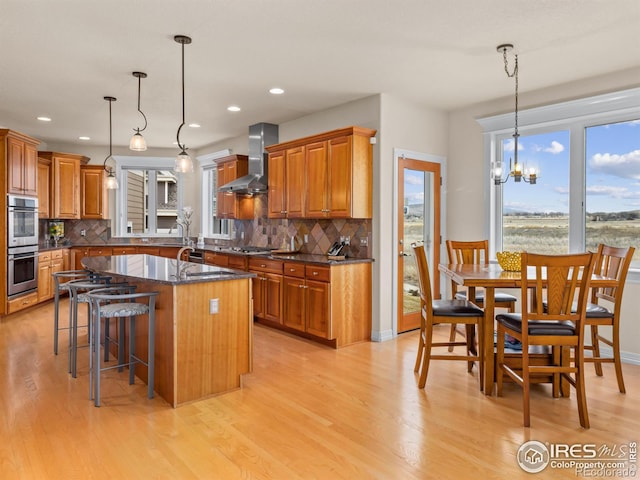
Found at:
<point>22,244</point>
<point>22,270</point>
<point>22,221</point>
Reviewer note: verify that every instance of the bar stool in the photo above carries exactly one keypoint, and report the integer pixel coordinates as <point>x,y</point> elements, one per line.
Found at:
<point>77,294</point>
<point>60,280</point>
<point>109,303</point>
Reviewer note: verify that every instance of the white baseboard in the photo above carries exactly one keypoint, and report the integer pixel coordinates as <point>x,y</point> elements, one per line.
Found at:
<point>381,336</point>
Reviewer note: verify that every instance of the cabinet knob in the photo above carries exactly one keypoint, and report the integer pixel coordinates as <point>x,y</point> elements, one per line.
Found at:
<point>315,273</point>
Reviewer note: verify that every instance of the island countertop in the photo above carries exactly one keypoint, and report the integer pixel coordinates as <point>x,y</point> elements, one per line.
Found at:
<point>160,269</point>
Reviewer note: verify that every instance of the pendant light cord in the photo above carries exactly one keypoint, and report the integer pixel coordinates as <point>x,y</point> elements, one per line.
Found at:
<point>138,130</point>
<point>110,100</point>
<point>180,146</point>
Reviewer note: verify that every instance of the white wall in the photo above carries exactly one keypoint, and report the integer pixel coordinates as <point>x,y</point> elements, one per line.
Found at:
<point>467,192</point>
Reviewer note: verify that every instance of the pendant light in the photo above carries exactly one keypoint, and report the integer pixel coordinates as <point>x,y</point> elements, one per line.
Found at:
<point>183,160</point>
<point>111,182</point>
<point>516,169</point>
<point>138,143</point>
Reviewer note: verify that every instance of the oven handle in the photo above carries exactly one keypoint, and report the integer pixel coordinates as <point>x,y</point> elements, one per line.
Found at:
<point>22,210</point>
<point>21,256</point>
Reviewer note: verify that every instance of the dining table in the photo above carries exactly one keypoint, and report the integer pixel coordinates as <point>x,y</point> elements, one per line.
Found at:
<point>491,277</point>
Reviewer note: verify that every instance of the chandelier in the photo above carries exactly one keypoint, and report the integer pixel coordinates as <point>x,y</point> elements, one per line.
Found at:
<point>517,170</point>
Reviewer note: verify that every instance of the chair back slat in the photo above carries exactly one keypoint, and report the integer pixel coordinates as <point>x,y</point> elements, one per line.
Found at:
<point>423,274</point>
<point>475,252</point>
<point>612,262</point>
<point>558,280</point>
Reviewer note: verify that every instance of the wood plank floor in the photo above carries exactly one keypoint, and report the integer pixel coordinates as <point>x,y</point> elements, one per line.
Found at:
<point>306,412</point>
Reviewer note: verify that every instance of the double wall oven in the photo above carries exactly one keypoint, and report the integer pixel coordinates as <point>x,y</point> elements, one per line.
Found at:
<point>22,244</point>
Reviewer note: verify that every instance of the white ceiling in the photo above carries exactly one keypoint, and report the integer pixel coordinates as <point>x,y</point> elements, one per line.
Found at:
<point>60,58</point>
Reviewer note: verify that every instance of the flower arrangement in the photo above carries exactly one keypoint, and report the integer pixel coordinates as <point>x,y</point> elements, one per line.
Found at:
<point>184,219</point>
<point>56,231</point>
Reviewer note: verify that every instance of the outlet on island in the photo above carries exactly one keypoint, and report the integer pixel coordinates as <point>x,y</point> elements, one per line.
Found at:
<point>213,305</point>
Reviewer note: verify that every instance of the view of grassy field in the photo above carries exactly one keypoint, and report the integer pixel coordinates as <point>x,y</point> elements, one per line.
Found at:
<point>533,233</point>
<point>544,234</point>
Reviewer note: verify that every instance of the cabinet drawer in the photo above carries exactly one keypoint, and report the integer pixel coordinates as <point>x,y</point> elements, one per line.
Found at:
<point>314,272</point>
<point>22,302</point>
<point>99,252</point>
<point>44,257</point>
<point>265,265</point>
<point>237,262</point>
<point>57,254</point>
<point>292,269</point>
<point>124,250</point>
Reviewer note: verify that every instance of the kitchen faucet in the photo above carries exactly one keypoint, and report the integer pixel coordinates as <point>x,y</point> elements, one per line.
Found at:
<point>178,272</point>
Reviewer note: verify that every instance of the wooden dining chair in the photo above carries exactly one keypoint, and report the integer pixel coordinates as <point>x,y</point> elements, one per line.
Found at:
<point>558,322</point>
<point>475,252</point>
<point>612,262</point>
<point>454,311</point>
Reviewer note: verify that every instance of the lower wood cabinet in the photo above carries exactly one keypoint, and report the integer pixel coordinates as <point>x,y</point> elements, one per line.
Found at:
<point>306,301</point>
<point>267,289</point>
<point>327,303</point>
<point>49,262</point>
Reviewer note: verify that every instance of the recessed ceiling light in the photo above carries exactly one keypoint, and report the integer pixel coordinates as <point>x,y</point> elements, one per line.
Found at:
<point>44,119</point>
<point>84,138</point>
<point>233,108</point>
<point>276,91</point>
<point>194,125</point>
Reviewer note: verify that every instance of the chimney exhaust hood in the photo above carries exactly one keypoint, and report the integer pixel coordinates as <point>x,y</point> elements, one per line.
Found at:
<point>260,135</point>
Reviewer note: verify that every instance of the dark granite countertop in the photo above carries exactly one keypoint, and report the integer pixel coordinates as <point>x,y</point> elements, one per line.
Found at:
<point>161,269</point>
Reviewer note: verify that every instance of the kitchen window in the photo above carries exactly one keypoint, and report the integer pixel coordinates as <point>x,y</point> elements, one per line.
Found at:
<point>212,226</point>
<point>149,197</point>
<point>588,191</point>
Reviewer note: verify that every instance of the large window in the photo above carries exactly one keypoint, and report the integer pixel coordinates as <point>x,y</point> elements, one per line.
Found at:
<point>588,191</point>
<point>535,217</point>
<point>149,197</point>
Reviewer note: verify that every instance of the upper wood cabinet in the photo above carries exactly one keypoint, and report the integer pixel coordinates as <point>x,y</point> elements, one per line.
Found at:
<point>287,183</point>
<point>94,202</point>
<point>231,205</point>
<point>65,184</point>
<point>20,155</point>
<point>329,175</point>
<point>44,187</point>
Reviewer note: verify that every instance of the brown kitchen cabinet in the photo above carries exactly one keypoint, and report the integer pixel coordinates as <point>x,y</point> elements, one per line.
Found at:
<point>44,187</point>
<point>124,250</point>
<point>49,262</point>
<point>232,205</point>
<point>306,298</point>
<point>94,202</point>
<point>286,183</point>
<point>65,184</point>
<point>267,289</point>
<point>330,304</point>
<point>216,258</point>
<point>335,180</point>
<point>20,155</point>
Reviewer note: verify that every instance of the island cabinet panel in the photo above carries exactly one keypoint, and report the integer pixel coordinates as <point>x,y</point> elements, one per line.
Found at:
<point>199,336</point>
<point>197,354</point>
<point>335,180</point>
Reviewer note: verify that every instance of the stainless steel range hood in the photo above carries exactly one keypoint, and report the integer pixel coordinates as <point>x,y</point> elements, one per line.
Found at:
<point>260,135</point>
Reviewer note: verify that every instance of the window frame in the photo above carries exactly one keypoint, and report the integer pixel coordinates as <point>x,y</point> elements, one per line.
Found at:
<point>575,116</point>
<point>124,163</point>
<point>208,167</point>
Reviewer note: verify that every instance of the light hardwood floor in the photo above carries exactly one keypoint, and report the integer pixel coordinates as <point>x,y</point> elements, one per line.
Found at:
<point>306,412</point>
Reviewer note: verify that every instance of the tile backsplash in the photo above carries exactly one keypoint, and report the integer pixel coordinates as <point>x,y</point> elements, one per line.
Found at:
<point>261,231</point>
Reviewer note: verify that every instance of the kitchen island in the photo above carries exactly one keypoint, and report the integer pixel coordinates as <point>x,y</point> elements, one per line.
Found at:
<point>204,323</point>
